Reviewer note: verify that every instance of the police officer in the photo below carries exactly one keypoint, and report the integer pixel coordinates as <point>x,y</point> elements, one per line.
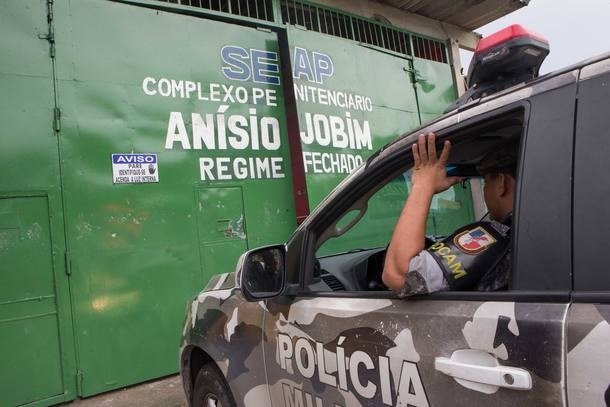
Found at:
<point>474,257</point>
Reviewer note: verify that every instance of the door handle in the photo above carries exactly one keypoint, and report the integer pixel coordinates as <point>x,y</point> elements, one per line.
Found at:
<point>481,371</point>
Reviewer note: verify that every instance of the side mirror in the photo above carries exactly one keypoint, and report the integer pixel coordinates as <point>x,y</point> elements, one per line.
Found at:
<point>263,272</point>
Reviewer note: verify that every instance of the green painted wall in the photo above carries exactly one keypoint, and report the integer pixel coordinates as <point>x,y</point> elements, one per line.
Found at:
<point>116,262</point>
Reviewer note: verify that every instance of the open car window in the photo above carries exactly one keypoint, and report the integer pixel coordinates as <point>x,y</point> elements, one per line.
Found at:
<point>353,260</point>
<point>449,210</point>
<point>350,253</point>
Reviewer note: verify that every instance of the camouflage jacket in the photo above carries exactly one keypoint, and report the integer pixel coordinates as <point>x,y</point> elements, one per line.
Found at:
<point>425,275</point>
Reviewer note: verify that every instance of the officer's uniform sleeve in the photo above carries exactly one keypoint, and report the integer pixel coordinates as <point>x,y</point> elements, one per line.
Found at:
<point>465,256</point>
<point>424,276</point>
<point>459,261</point>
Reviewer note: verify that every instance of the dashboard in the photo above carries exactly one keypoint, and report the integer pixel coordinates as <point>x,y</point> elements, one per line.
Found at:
<point>357,270</point>
<point>352,271</point>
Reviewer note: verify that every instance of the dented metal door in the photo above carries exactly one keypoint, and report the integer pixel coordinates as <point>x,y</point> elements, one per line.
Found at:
<point>222,227</point>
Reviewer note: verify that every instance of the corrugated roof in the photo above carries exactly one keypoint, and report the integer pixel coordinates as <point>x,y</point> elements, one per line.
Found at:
<point>468,14</point>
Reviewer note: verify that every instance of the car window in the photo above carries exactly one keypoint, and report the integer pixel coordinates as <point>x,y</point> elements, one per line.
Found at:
<point>449,210</point>
<point>350,251</point>
<point>353,261</point>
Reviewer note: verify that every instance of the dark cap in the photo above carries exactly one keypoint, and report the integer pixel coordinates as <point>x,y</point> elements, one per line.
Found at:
<point>502,159</point>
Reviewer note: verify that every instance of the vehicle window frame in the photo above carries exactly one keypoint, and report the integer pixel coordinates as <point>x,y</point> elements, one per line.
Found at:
<point>545,187</point>
<point>388,169</point>
<point>590,214</point>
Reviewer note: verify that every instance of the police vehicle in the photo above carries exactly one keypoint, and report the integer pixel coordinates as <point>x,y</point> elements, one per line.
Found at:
<point>298,325</point>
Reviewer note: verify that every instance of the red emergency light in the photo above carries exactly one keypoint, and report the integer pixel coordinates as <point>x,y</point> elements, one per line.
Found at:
<point>503,59</point>
<point>511,55</point>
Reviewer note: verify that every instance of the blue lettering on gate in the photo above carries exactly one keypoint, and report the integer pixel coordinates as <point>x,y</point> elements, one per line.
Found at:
<point>240,64</point>
<point>313,69</point>
<point>233,57</point>
<point>302,66</point>
<point>263,64</point>
<point>323,66</point>
<point>134,158</point>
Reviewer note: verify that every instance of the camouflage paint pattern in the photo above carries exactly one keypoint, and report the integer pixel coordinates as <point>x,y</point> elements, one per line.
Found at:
<point>388,348</point>
<point>588,355</point>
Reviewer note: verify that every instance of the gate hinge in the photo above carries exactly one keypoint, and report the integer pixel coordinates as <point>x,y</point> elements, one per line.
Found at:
<point>50,11</point>
<point>51,38</point>
<point>50,35</point>
<point>56,119</point>
<point>79,382</point>
<point>68,262</point>
<point>52,47</point>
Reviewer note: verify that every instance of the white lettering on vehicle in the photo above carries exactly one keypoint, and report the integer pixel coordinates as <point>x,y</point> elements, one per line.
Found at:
<point>347,372</point>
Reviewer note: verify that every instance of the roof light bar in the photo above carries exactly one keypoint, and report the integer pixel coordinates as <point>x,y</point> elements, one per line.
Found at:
<point>512,55</point>
<point>506,34</point>
<point>503,59</point>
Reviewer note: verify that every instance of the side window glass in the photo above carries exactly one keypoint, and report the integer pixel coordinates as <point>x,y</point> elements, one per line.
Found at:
<point>449,210</point>
<point>350,254</point>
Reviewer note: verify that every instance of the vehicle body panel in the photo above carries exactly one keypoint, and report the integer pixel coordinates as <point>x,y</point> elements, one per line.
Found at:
<point>229,330</point>
<point>588,353</point>
<point>588,334</point>
<point>402,338</point>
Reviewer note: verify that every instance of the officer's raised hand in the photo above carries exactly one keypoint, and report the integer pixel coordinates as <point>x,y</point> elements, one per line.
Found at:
<point>428,170</point>
<point>429,177</point>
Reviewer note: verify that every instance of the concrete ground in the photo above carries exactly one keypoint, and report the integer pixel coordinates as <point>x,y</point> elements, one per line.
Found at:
<point>166,392</point>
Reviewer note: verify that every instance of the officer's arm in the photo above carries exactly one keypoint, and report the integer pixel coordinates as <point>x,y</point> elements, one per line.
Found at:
<point>408,237</point>
<point>429,177</point>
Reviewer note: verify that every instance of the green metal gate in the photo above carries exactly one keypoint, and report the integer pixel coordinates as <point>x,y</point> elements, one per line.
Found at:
<point>36,343</point>
<point>30,345</point>
<point>146,147</point>
<point>134,80</point>
<point>354,98</point>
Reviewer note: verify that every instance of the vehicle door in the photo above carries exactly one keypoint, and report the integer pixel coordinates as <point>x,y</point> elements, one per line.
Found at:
<point>341,340</point>
<point>588,360</point>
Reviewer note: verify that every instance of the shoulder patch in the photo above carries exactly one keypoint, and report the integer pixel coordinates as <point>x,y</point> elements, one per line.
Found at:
<point>473,241</point>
